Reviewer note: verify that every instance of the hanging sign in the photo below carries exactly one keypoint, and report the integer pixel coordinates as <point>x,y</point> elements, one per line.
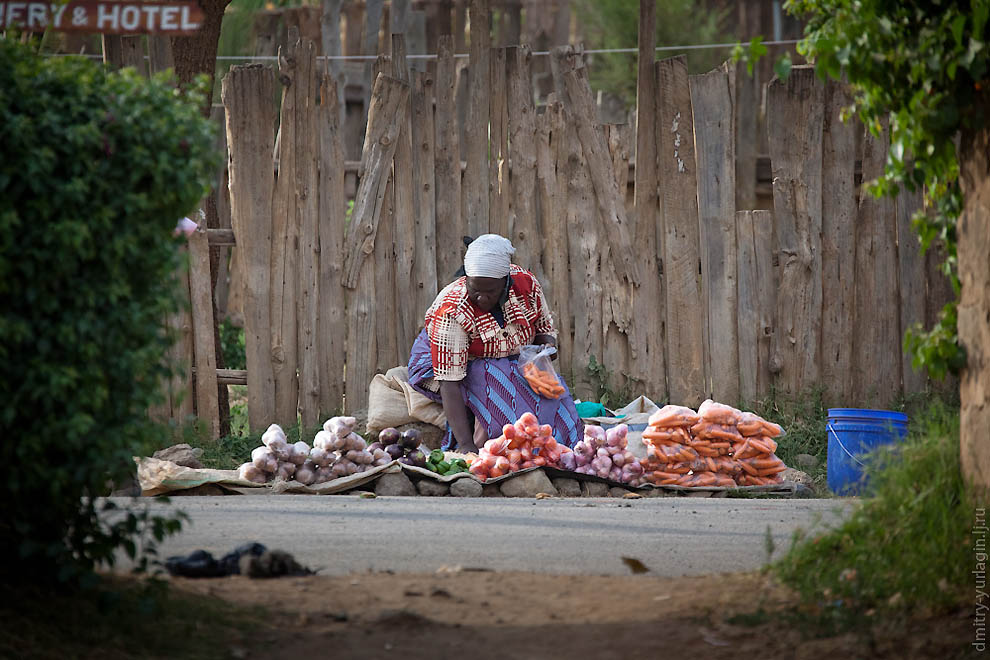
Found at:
<point>103,16</point>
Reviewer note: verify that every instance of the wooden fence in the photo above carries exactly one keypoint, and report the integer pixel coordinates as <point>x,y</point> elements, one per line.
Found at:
<point>679,295</point>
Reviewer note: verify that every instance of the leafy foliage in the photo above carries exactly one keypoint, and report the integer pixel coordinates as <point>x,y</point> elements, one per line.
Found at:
<point>907,546</point>
<point>96,169</point>
<point>923,64</point>
<point>615,24</point>
<point>232,345</point>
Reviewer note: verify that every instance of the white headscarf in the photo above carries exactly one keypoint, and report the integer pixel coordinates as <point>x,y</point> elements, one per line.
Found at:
<point>488,255</point>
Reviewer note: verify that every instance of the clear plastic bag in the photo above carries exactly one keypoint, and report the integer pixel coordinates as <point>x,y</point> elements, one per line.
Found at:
<point>536,366</point>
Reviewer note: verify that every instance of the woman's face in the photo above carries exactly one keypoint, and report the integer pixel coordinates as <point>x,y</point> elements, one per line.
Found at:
<point>485,292</point>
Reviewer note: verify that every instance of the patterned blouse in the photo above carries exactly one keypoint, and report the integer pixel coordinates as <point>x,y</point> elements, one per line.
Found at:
<point>459,331</point>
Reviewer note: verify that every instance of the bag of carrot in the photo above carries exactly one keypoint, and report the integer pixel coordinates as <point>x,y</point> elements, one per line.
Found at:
<point>535,364</point>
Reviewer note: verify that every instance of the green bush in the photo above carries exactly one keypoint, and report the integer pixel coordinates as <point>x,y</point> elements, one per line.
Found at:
<point>906,547</point>
<point>96,169</point>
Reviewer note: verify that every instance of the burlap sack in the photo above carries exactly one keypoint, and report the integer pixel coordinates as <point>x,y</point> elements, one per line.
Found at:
<point>392,401</point>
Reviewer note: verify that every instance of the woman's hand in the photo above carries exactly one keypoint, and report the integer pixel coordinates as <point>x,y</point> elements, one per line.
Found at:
<point>457,415</point>
<point>546,340</point>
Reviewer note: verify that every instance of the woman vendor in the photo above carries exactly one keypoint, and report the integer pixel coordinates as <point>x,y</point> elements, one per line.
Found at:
<point>466,357</point>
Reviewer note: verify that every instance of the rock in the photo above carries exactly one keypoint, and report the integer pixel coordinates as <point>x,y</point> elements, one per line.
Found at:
<point>594,489</point>
<point>528,485</point>
<point>181,454</point>
<point>617,491</point>
<point>394,484</point>
<point>806,461</point>
<point>797,476</point>
<point>466,487</point>
<point>431,488</point>
<point>431,436</point>
<point>567,487</point>
<point>490,490</point>
<point>698,493</point>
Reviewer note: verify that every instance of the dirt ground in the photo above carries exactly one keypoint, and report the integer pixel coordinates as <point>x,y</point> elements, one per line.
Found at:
<point>482,615</point>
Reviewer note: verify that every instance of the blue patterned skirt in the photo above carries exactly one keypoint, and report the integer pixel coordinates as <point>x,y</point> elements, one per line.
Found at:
<point>496,393</point>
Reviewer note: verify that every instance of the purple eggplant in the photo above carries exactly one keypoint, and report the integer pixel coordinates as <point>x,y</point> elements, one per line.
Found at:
<point>410,438</point>
<point>389,436</point>
<point>395,451</point>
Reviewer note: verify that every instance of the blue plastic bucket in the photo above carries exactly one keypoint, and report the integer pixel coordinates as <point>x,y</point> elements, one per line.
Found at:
<point>853,432</point>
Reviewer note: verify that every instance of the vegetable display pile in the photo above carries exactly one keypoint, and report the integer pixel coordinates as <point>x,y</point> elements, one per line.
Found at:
<point>605,454</point>
<point>716,446</point>
<point>438,463</point>
<point>522,445</point>
<point>402,447</point>
<point>543,382</point>
<point>336,452</point>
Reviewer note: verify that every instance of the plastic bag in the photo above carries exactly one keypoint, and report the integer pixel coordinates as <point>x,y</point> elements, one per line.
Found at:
<point>535,364</point>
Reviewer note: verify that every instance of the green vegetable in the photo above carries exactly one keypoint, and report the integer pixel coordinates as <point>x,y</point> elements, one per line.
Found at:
<point>436,456</point>
<point>443,466</point>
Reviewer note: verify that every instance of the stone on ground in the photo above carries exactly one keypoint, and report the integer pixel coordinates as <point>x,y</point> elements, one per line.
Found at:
<point>594,489</point>
<point>466,488</point>
<point>528,485</point>
<point>394,484</point>
<point>567,487</point>
<point>806,461</point>
<point>181,454</point>
<point>431,488</point>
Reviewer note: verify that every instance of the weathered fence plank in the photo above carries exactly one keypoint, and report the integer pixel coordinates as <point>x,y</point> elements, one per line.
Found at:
<point>450,223</point>
<point>680,244</point>
<point>498,147</point>
<point>838,243</point>
<point>794,123</point>
<point>647,359</point>
<point>617,294</point>
<point>388,103</point>
<point>307,205</point>
<point>551,161</point>
<point>524,221</point>
<point>912,282</point>
<point>876,346</point>
<point>609,201</point>
<point>404,210</point>
<point>362,343</point>
<point>247,91</point>
<point>201,299</point>
<point>424,276</point>
<point>387,295</point>
<point>285,245</point>
<point>756,302</point>
<point>332,337</point>
<point>711,99</point>
<point>476,209</point>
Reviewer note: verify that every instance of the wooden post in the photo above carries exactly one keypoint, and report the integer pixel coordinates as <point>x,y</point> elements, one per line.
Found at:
<point>424,277</point>
<point>407,317</point>
<point>247,93</point>
<point>524,220</point>
<point>221,194</point>
<point>838,244</point>
<point>160,53</point>
<point>266,32</point>
<point>330,34</point>
<point>285,240</point>
<point>399,20</point>
<point>448,165</point>
<point>460,25</point>
<point>912,283</point>
<point>180,355</point>
<point>332,336</point>
<point>648,363</point>
<point>307,205</point>
<point>476,208</point>
<point>499,194</point>
<point>711,99</point>
<point>551,166</point>
<point>201,297</point>
<point>877,342</point>
<point>681,245</point>
<point>609,201</point>
<point>794,123</point>
<point>124,51</point>
<point>388,103</point>
<point>756,302</point>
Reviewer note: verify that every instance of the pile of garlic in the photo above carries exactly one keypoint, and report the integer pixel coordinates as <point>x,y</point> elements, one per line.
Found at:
<point>336,452</point>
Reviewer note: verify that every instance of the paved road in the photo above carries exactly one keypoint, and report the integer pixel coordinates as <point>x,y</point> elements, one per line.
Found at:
<point>345,534</point>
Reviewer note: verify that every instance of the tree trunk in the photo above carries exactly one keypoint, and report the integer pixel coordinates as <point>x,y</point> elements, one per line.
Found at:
<point>974,304</point>
<point>192,56</point>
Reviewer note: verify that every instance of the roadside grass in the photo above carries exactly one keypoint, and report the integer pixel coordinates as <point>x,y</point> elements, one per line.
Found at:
<point>121,618</point>
<point>907,547</point>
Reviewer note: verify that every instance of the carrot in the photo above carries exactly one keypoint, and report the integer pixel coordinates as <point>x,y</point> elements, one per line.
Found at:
<point>749,468</point>
<point>766,463</point>
<point>760,446</point>
<point>766,472</point>
<point>773,430</point>
<point>710,462</point>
